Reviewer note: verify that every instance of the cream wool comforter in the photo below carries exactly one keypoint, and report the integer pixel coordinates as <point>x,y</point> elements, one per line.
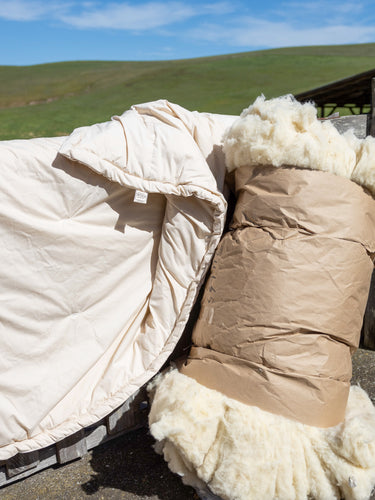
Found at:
<point>105,237</point>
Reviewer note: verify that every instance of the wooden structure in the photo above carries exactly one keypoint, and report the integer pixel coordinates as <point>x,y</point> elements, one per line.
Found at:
<point>368,333</point>
<point>129,416</point>
<point>353,93</point>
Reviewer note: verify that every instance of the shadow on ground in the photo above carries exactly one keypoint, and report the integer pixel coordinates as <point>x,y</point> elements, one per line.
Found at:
<point>130,464</point>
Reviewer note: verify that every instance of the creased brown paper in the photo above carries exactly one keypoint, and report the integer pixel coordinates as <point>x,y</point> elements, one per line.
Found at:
<point>283,307</point>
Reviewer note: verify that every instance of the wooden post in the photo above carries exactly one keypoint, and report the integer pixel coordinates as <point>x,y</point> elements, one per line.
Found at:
<point>372,114</point>
<point>368,333</point>
<point>369,320</point>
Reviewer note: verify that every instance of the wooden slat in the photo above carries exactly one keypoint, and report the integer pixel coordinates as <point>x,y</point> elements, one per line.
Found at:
<point>21,463</point>
<point>96,434</point>
<point>72,447</point>
<point>47,457</point>
<point>357,123</point>
<point>75,446</point>
<point>132,414</point>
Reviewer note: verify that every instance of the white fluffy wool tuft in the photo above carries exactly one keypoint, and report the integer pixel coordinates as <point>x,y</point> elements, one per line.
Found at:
<point>364,171</point>
<point>244,453</point>
<point>282,131</point>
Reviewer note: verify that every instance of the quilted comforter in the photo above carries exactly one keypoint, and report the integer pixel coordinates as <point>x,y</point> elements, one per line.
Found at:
<point>105,237</point>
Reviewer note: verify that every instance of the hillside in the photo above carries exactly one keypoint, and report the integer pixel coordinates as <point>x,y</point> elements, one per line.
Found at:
<point>53,99</point>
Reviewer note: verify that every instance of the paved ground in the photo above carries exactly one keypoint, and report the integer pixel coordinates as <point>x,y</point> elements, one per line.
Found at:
<point>127,468</point>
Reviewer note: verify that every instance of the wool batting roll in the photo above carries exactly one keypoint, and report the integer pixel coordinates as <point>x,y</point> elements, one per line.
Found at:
<point>262,408</point>
<point>284,304</point>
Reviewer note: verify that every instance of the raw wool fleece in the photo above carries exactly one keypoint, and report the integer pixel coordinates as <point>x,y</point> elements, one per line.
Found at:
<point>244,453</point>
<point>282,131</point>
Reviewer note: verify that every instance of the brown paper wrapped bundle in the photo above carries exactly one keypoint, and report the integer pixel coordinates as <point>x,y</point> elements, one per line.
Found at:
<point>263,409</point>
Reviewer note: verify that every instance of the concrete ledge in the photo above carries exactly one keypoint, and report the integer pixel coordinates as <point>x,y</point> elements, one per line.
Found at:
<point>364,371</point>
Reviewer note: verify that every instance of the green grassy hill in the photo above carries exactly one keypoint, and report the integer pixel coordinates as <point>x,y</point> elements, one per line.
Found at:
<point>53,99</point>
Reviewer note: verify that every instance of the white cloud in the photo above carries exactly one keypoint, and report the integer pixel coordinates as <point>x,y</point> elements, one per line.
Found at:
<point>252,32</point>
<point>22,10</point>
<point>322,13</point>
<point>113,15</point>
<point>322,6</point>
<point>293,23</point>
<point>218,8</point>
<point>131,17</point>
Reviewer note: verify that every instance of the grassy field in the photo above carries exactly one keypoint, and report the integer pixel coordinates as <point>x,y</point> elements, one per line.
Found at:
<point>53,99</point>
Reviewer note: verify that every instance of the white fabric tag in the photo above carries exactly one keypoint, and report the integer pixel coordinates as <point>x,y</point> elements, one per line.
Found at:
<point>140,197</point>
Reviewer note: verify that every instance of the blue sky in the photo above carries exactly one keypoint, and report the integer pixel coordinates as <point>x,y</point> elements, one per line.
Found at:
<point>39,31</point>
